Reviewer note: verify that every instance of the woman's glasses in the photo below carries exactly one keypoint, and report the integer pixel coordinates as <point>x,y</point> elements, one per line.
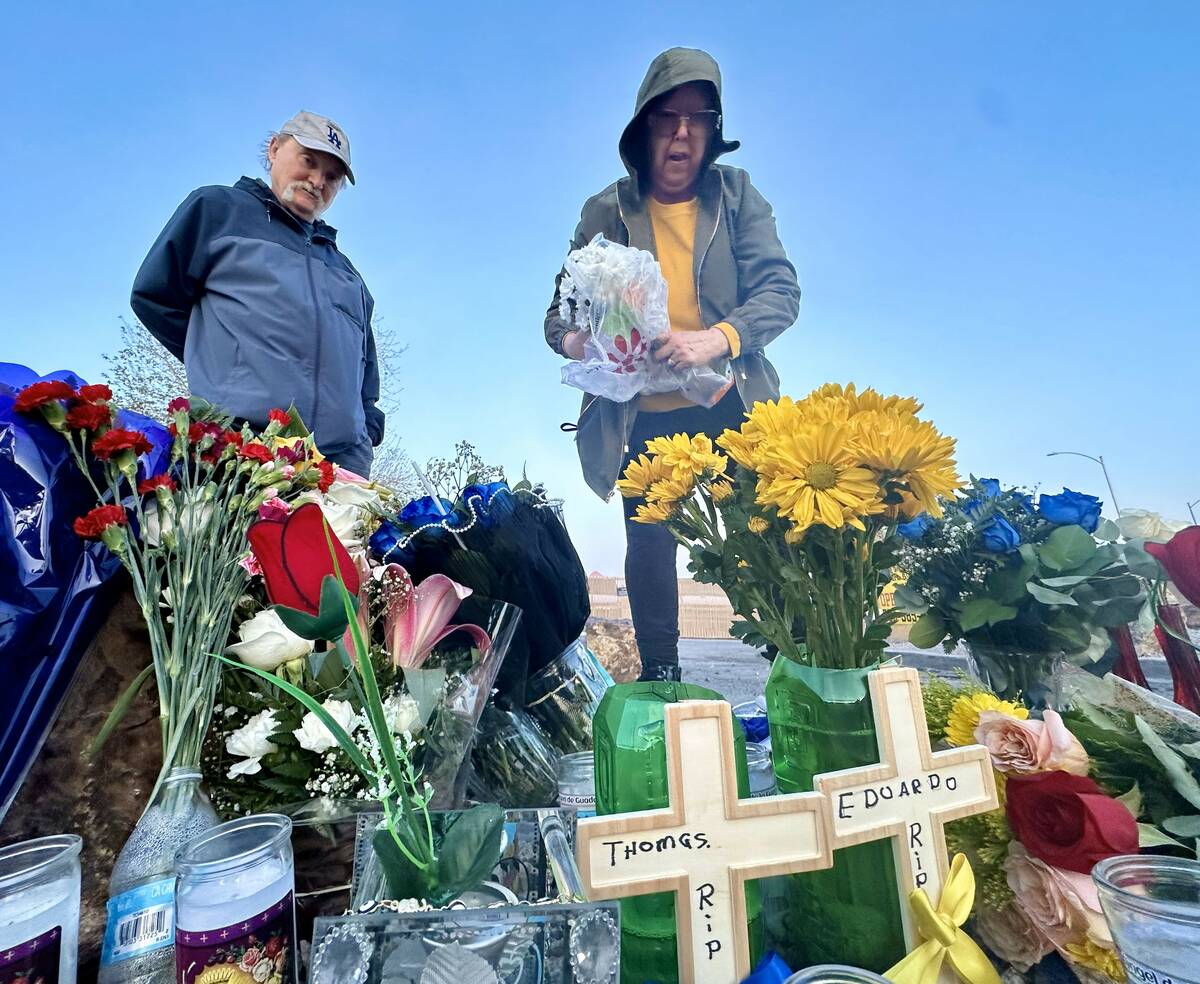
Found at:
<point>665,122</point>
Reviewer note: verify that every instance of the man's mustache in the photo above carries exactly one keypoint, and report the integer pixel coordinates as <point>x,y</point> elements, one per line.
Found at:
<point>289,193</point>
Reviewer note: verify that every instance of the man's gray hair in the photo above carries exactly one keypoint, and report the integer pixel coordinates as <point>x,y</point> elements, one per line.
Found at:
<point>263,156</point>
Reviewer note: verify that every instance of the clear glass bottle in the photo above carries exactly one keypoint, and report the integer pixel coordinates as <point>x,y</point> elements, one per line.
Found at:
<point>235,901</point>
<point>39,909</point>
<point>760,770</point>
<point>139,937</point>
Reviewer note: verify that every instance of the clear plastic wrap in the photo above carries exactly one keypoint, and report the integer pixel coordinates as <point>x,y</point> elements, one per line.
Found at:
<point>617,295</point>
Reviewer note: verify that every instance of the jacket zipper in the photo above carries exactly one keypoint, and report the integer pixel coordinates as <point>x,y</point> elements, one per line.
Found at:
<point>312,290</point>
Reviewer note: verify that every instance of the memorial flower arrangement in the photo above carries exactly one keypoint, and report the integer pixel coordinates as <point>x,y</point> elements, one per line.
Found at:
<point>174,505</point>
<point>795,513</point>
<point>369,618</point>
<point>1178,562</point>
<point>1076,788</point>
<point>1021,582</point>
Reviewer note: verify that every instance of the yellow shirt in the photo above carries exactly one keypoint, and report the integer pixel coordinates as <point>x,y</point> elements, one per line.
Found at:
<point>675,235</point>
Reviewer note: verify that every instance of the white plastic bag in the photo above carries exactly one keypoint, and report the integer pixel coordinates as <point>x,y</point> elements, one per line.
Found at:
<point>617,295</point>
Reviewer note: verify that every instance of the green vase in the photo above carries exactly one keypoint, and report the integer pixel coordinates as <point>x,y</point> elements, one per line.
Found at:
<point>821,721</point>
<point>631,775</point>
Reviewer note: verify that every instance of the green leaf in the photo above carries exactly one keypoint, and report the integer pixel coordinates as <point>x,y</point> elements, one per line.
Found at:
<point>330,621</point>
<point>979,612</point>
<point>1191,749</point>
<point>1066,548</point>
<point>1108,531</point>
<point>927,631</point>
<point>910,600</point>
<point>405,880</point>
<point>1048,596</point>
<point>295,427</point>
<point>1176,767</point>
<point>1188,826</point>
<point>1141,563</point>
<point>1069,581</point>
<point>120,709</point>
<point>1150,836</point>
<point>426,685</point>
<point>1132,800</point>
<point>470,849</point>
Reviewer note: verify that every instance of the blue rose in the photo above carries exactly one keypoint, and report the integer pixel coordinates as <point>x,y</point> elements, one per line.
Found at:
<point>999,535</point>
<point>915,528</point>
<point>426,510</point>
<point>991,487</point>
<point>1069,508</point>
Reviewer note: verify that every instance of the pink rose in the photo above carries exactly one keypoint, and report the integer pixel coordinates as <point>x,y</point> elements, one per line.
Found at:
<point>1025,747</point>
<point>250,958</point>
<point>1012,936</point>
<point>1064,905</point>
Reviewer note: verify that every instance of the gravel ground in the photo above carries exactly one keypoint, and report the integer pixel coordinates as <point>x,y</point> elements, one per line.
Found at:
<point>738,673</point>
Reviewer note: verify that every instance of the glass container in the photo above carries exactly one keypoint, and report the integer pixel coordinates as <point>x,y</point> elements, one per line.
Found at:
<point>39,909</point>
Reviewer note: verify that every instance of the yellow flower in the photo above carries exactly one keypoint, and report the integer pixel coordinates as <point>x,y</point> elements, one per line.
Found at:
<point>793,535</point>
<point>910,456</point>
<point>640,475</point>
<point>655,512</point>
<point>813,476</point>
<point>964,715</point>
<point>739,447</point>
<point>1088,953</point>
<point>720,491</point>
<point>297,444</point>
<point>672,488</point>
<point>757,525</point>
<point>685,455</point>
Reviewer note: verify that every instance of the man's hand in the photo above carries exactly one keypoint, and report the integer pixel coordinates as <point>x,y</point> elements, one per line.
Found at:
<point>572,345</point>
<point>688,349</point>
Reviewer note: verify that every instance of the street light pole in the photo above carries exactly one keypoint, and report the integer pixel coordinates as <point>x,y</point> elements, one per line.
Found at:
<point>1194,502</point>
<point>1107,481</point>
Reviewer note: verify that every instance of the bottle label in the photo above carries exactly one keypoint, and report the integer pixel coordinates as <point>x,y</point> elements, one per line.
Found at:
<point>1140,973</point>
<point>140,921</point>
<point>584,804</point>
<point>262,948</point>
<point>33,960</point>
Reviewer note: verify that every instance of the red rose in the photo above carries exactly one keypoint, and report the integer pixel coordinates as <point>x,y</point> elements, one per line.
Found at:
<point>163,481</point>
<point>95,393</point>
<point>117,440</point>
<point>1181,557</point>
<point>295,558</point>
<point>1068,821</point>
<point>280,417</point>
<point>327,475</point>
<point>178,404</point>
<point>89,416</point>
<point>274,945</point>
<point>38,394</point>
<point>93,525</point>
<point>256,452</point>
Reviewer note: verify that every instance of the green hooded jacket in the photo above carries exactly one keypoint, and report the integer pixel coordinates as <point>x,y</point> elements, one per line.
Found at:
<point>742,273</point>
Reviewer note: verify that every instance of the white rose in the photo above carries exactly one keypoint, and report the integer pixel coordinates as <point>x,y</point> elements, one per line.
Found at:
<point>402,714</point>
<point>312,734</point>
<point>262,970</point>
<point>266,643</point>
<point>251,744</point>
<point>1141,524</point>
<point>353,494</point>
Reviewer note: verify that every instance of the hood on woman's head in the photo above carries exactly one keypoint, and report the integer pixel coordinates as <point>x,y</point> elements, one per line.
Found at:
<point>673,68</point>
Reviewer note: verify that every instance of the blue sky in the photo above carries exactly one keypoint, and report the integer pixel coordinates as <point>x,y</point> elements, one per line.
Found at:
<point>993,207</point>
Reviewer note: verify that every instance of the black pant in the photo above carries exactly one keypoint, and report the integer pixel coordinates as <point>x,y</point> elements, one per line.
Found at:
<point>650,550</point>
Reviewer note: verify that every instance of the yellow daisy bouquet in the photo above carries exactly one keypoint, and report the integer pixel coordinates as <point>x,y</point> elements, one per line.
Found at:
<point>794,514</point>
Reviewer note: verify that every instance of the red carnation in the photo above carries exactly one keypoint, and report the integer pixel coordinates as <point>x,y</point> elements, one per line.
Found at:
<point>162,481</point>
<point>295,557</point>
<point>1068,821</point>
<point>93,525</point>
<point>327,475</point>
<point>1181,557</point>
<point>178,404</point>
<point>95,393</point>
<point>280,417</point>
<point>89,416</point>
<point>256,452</point>
<point>39,394</point>
<point>117,440</point>
<point>232,437</point>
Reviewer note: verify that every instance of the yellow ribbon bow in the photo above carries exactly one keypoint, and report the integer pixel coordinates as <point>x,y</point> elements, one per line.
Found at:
<point>941,928</point>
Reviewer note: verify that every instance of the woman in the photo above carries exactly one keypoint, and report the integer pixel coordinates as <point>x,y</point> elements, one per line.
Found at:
<point>731,290</point>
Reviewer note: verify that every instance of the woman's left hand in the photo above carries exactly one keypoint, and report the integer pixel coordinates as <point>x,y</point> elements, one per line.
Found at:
<point>688,349</point>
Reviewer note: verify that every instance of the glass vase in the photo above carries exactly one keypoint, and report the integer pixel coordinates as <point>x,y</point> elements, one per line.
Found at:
<point>39,910</point>
<point>139,937</point>
<point>821,721</point>
<point>565,696</point>
<point>235,904</point>
<point>1018,675</point>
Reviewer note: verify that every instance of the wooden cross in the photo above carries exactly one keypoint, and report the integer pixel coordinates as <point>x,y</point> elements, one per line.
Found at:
<point>910,794</point>
<point>705,845</point>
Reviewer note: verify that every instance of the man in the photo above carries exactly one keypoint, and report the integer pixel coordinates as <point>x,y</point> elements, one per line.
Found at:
<point>247,287</point>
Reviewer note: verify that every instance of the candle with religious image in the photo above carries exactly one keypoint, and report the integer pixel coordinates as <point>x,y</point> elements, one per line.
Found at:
<point>235,904</point>
<point>39,910</point>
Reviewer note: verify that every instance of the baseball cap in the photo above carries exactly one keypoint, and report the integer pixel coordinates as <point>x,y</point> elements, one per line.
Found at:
<point>320,133</point>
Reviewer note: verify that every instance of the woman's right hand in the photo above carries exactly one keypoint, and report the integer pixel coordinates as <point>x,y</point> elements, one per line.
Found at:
<point>572,345</point>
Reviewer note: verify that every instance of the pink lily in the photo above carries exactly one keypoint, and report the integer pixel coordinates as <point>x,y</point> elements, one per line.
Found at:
<point>417,619</point>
